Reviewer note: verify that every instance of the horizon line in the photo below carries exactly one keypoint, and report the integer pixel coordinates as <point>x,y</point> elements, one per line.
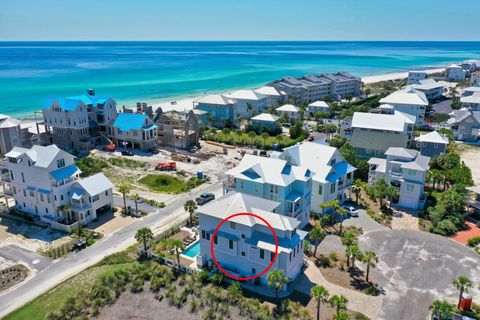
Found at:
<point>258,40</point>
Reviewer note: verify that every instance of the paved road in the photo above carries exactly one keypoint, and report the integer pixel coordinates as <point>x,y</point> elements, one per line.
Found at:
<point>78,261</point>
<point>417,268</point>
<point>33,260</point>
<point>363,221</point>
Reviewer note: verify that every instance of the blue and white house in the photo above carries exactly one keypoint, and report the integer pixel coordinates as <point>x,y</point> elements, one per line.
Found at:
<point>135,130</point>
<point>248,102</point>
<point>276,180</point>
<point>332,175</point>
<point>44,178</point>
<point>409,101</point>
<point>404,169</point>
<point>78,123</point>
<point>432,144</point>
<point>244,246</point>
<point>222,110</point>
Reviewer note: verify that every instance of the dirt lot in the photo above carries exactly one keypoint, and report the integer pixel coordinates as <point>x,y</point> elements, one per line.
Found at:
<point>469,155</point>
<point>28,236</point>
<point>136,306</point>
<point>110,222</point>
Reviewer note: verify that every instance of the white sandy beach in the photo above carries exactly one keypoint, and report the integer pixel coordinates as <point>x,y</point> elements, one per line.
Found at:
<point>186,103</point>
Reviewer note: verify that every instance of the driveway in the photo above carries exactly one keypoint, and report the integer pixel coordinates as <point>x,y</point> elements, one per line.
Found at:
<point>417,268</point>
<point>33,260</point>
<point>363,221</point>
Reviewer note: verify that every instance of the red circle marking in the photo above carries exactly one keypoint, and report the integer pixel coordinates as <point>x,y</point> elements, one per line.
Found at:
<point>213,251</point>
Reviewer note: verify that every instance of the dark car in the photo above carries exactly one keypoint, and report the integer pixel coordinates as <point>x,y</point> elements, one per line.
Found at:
<point>205,198</point>
<point>127,153</point>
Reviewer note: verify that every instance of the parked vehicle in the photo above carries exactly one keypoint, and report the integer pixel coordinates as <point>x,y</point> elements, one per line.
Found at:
<point>166,166</point>
<point>110,148</point>
<point>127,153</point>
<point>205,198</point>
<point>351,211</point>
<point>311,138</point>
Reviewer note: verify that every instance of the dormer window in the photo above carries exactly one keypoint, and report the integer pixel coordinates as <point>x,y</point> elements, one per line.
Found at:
<point>233,225</point>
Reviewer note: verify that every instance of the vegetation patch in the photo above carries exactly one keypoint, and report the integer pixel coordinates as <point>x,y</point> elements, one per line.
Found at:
<point>92,165</point>
<point>165,183</point>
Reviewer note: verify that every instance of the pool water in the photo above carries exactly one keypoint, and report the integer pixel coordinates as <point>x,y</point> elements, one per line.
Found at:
<point>193,250</point>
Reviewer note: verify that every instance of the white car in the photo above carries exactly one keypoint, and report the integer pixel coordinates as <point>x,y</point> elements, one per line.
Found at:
<point>351,211</point>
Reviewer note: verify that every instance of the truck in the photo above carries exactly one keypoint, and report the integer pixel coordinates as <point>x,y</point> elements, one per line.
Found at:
<point>166,166</point>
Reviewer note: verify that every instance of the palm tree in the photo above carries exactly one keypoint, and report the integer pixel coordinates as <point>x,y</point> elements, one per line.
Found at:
<point>321,295</point>
<point>124,188</point>
<point>317,234</point>
<point>392,193</point>
<point>334,204</point>
<point>136,197</point>
<point>462,283</point>
<point>249,108</point>
<point>252,135</point>
<point>354,253</point>
<point>144,235</point>
<point>342,212</point>
<point>441,309</point>
<point>357,189</point>
<point>323,206</point>
<point>190,206</point>
<point>348,239</point>
<point>177,246</point>
<point>276,279</point>
<point>371,260</point>
<point>339,302</point>
<point>65,209</point>
<point>265,136</point>
<point>341,316</point>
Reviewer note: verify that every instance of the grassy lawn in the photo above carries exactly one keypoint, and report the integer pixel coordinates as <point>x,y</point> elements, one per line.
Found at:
<point>165,183</point>
<point>53,299</point>
<point>244,139</point>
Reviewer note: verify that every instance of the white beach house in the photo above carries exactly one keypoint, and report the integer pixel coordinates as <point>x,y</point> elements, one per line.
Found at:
<point>290,111</point>
<point>416,76</point>
<point>221,110</point>
<point>455,73</point>
<point>332,175</point>
<point>248,102</point>
<point>471,102</point>
<point>317,106</point>
<point>432,89</point>
<point>244,246</point>
<point>42,179</point>
<point>404,169</point>
<point>274,96</point>
<point>409,101</point>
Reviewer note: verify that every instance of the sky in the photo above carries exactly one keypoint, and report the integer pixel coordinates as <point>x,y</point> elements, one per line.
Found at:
<point>112,20</point>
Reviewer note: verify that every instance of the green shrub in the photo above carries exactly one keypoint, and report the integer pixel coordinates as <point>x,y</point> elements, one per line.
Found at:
<point>473,242</point>
<point>90,241</point>
<point>372,291</point>
<point>136,285</point>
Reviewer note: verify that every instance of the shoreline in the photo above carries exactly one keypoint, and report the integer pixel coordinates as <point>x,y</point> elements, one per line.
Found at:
<point>185,103</point>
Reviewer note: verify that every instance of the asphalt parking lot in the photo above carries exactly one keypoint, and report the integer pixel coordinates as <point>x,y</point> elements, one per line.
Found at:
<point>417,268</point>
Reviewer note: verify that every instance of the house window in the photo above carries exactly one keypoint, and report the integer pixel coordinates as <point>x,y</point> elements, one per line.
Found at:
<point>60,163</point>
<point>23,177</point>
<point>332,188</point>
<point>243,236</point>
<point>271,256</point>
<point>233,225</point>
<point>412,172</point>
<point>435,145</point>
<point>203,234</point>
<point>230,244</point>
<point>215,240</point>
<point>31,193</point>
<point>208,236</point>
<point>290,256</point>
<point>243,253</point>
<point>410,187</point>
<point>96,198</point>
<point>320,190</point>
<point>24,193</point>
<point>262,254</point>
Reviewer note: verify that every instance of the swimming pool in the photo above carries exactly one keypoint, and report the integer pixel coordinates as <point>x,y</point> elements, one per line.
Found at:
<point>193,250</point>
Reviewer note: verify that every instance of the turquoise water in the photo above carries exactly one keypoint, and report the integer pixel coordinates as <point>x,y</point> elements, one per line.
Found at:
<point>193,250</point>
<point>30,72</point>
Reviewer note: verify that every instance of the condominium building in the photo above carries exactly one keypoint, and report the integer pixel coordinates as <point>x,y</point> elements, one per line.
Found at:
<point>78,123</point>
<point>409,101</point>
<point>404,169</point>
<point>46,183</point>
<point>244,246</point>
<point>311,88</point>
<point>10,133</point>
<point>372,134</point>
<point>276,180</point>
<point>135,131</point>
<point>332,175</point>
<point>177,129</point>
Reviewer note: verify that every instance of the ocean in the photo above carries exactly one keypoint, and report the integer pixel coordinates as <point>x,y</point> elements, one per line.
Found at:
<point>31,72</point>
